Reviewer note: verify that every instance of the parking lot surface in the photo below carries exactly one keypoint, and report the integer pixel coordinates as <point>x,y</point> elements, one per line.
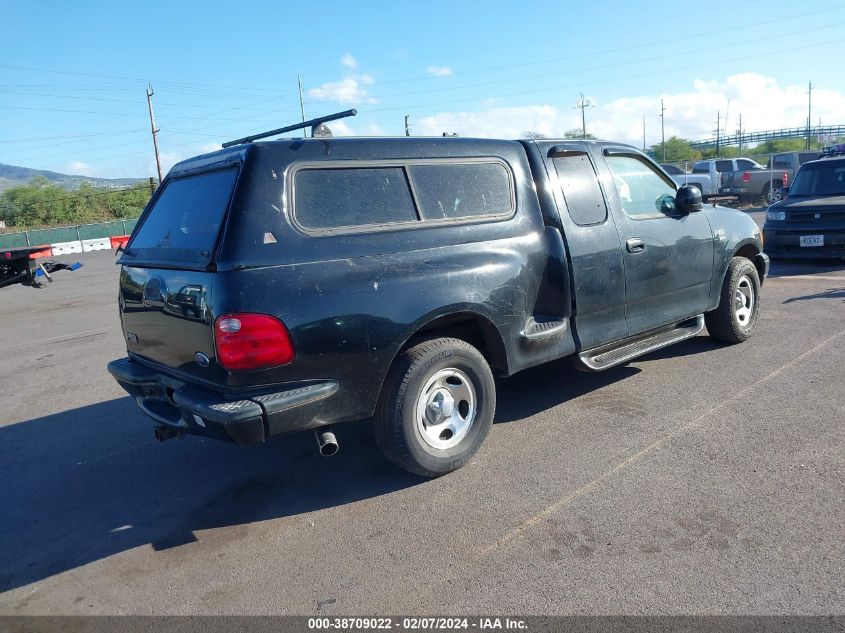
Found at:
<point>701,479</point>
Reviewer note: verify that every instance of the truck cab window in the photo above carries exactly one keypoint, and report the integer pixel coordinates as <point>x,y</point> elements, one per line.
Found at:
<point>580,189</point>
<point>642,191</point>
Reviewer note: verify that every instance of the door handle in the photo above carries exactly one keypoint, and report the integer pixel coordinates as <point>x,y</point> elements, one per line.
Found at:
<point>635,245</point>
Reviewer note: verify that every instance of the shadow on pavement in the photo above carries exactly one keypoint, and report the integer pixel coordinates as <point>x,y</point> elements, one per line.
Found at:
<point>549,385</point>
<point>85,484</point>
<point>830,293</point>
<point>792,267</point>
<point>88,483</point>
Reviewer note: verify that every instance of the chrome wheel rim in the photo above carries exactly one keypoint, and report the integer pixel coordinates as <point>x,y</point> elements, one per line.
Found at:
<point>446,408</point>
<point>744,300</point>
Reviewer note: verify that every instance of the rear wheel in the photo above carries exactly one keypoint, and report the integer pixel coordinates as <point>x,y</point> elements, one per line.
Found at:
<point>739,304</point>
<point>436,407</point>
<point>767,194</point>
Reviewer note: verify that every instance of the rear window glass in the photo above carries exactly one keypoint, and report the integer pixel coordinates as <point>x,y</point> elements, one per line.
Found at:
<point>461,190</point>
<point>336,198</point>
<point>184,223</point>
<point>701,168</point>
<point>580,188</point>
<point>724,165</point>
<point>820,179</point>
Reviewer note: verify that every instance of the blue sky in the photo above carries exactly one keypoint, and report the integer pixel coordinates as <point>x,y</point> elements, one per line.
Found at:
<point>72,79</point>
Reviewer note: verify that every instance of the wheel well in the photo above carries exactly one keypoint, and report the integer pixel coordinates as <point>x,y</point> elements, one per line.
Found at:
<point>475,330</point>
<point>749,251</point>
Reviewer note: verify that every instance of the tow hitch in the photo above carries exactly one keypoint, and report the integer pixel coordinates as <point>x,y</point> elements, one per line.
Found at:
<point>164,433</point>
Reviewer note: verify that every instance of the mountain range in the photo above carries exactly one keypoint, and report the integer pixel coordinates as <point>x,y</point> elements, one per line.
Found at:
<point>14,176</point>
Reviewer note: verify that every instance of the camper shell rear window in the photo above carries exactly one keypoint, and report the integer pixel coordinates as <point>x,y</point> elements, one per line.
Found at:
<point>183,224</point>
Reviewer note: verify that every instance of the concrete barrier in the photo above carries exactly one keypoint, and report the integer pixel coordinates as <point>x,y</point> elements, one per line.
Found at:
<point>64,248</point>
<point>99,244</point>
<point>45,251</point>
<point>119,240</point>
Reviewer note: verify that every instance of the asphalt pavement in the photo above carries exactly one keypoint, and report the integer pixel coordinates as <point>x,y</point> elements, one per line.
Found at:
<point>701,479</point>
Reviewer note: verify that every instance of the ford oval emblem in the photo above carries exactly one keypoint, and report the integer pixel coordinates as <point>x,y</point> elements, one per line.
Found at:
<point>202,359</point>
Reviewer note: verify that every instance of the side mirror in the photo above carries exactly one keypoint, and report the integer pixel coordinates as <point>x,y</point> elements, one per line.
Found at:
<point>688,199</point>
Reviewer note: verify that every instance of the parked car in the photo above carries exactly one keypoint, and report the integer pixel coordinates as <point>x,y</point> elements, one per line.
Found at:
<point>713,169</point>
<point>391,279</point>
<point>752,181</point>
<point>700,180</point>
<point>810,221</point>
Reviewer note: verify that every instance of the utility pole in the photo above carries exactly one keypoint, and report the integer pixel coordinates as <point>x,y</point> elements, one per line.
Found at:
<point>739,132</point>
<point>153,128</point>
<point>583,104</point>
<point>809,112</point>
<point>301,104</point>
<point>407,125</point>
<point>643,131</point>
<point>718,125</point>
<point>663,129</point>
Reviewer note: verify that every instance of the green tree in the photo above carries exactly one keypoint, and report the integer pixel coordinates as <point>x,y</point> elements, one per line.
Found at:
<point>41,203</point>
<point>577,133</point>
<point>725,151</point>
<point>677,150</point>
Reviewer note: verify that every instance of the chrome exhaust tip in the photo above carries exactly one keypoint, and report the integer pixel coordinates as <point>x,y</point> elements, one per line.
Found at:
<point>326,441</point>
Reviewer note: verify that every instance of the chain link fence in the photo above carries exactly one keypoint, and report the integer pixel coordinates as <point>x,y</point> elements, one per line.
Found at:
<point>79,232</point>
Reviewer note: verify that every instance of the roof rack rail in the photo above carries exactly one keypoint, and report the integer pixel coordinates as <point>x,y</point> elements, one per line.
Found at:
<point>313,124</point>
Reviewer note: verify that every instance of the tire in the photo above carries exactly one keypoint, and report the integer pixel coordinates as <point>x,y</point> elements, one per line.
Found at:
<point>734,320</point>
<point>414,425</point>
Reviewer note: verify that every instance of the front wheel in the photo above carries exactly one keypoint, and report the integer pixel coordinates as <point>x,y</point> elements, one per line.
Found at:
<point>739,304</point>
<point>436,406</point>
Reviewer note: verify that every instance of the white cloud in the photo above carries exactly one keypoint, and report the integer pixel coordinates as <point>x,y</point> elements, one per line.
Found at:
<point>439,71</point>
<point>500,122</point>
<point>763,103</point>
<point>209,147</point>
<point>77,168</point>
<point>351,89</point>
<point>349,61</point>
<point>340,128</point>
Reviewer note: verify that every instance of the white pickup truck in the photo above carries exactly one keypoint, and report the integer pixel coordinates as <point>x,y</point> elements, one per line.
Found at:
<point>707,183</point>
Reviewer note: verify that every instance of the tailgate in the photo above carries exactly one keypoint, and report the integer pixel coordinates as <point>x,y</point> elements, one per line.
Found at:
<point>167,318</point>
<point>166,278</point>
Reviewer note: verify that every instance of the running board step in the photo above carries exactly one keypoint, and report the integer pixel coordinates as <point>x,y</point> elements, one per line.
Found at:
<point>542,327</point>
<point>607,356</point>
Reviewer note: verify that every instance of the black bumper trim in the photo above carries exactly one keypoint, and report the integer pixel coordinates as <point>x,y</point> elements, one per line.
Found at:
<point>197,410</point>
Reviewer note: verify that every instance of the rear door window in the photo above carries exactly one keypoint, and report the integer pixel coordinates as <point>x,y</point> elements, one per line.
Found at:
<point>341,198</point>
<point>580,188</point>
<point>184,222</point>
<point>724,165</point>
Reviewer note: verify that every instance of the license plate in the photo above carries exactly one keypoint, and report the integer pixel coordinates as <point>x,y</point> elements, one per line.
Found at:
<point>812,240</point>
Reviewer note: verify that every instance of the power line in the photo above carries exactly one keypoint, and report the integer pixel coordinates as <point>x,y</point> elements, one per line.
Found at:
<point>685,69</point>
<point>71,136</point>
<point>609,65</point>
<point>657,43</point>
<point>204,87</point>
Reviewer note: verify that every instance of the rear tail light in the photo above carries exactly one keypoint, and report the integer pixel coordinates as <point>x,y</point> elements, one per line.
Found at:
<point>252,341</point>
<point>746,177</point>
<point>785,179</point>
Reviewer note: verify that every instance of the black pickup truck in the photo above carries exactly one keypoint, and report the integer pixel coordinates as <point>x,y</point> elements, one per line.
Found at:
<point>279,286</point>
